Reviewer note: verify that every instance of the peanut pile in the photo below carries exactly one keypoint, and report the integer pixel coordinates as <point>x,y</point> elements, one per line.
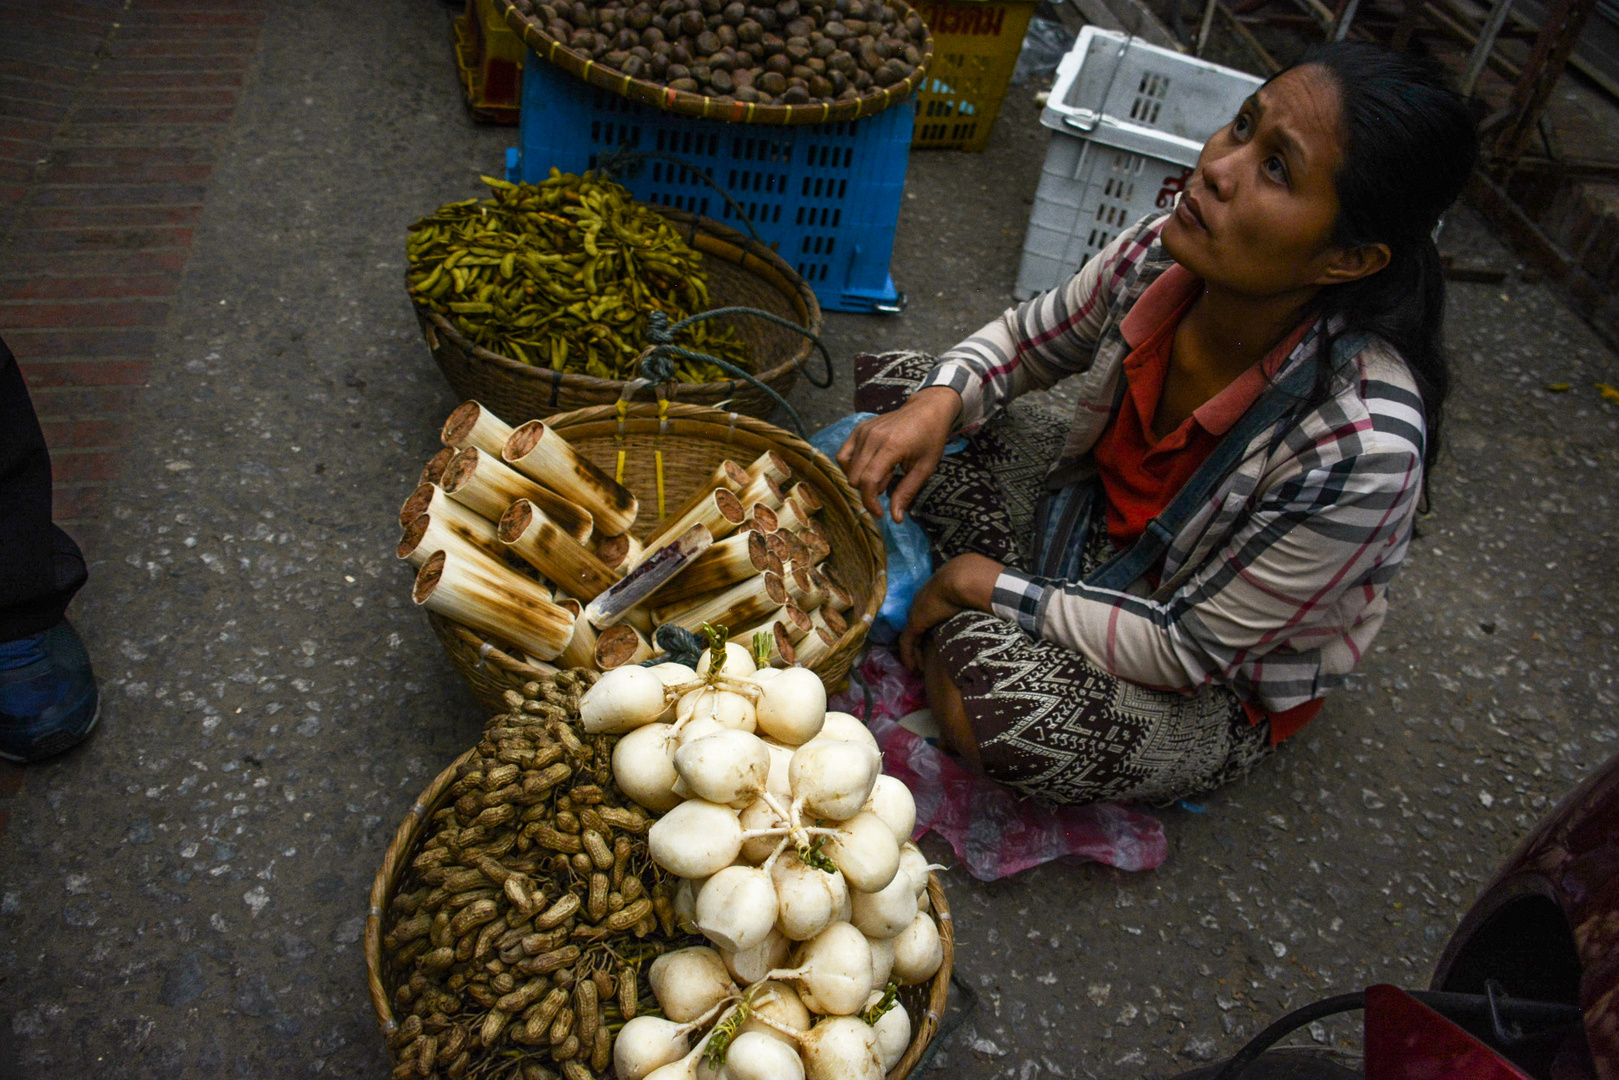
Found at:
<point>519,934</point>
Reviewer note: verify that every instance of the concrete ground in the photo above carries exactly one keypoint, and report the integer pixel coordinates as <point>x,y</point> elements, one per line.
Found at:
<point>184,896</point>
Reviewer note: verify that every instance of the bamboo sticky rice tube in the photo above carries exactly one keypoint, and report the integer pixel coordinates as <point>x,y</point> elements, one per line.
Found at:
<point>816,647</point>
<point>802,587</point>
<point>720,512</point>
<point>436,465</point>
<point>779,546</point>
<point>651,574</point>
<point>838,598</point>
<point>621,645</point>
<point>814,538</point>
<point>761,490</point>
<point>539,453</point>
<point>473,425</point>
<point>761,519</point>
<point>741,555</point>
<point>431,532</point>
<point>430,499</point>
<point>498,602</point>
<point>743,604</point>
<point>581,650</point>
<point>537,540</point>
<point>480,481</point>
<point>790,515</point>
<point>727,474</point>
<point>806,497</point>
<point>796,622</point>
<point>770,464</point>
<point>618,553</point>
<point>824,618</point>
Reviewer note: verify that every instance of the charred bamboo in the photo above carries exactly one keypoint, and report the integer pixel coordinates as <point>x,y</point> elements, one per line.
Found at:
<point>796,622</point>
<point>498,602</point>
<point>434,469</point>
<point>803,586</point>
<point>838,598</point>
<point>762,490</point>
<point>621,645</point>
<point>739,556</point>
<point>542,455</point>
<point>727,475</point>
<point>761,519</point>
<point>533,537</point>
<point>720,513</point>
<point>743,604</point>
<point>432,532</point>
<point>473,425</point>
<point>814,537</point>
<point>771,464</point>
<point>431,499</point>
<point>816,647</point>
<point>618,553</point>
<point>806,497</point>
<point>649,576</point>
<point>480,481</point>
<point>581,650</point>
<point>824,618</point>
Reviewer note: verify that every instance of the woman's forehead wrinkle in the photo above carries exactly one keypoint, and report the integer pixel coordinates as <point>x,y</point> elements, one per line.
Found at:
<point>1313,112</point>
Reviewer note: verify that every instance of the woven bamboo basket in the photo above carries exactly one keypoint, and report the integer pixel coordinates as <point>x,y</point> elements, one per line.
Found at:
<point>926,1003</point>
<point>686,103</point>
<point>741,272</point>
<point>693,440</point>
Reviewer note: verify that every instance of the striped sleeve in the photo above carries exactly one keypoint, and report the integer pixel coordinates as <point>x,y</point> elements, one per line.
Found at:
<point>1318,543</point>
<point>1044,339</point>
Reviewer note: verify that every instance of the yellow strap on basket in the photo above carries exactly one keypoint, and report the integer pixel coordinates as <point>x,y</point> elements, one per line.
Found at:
<point>657,453</point>
<point>618,474</point>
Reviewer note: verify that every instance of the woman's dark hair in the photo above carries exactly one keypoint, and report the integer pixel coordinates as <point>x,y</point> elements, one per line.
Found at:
<point>1410,145</point>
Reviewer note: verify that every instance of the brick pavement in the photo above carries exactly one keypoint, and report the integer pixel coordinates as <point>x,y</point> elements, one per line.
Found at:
<point>111,112</point>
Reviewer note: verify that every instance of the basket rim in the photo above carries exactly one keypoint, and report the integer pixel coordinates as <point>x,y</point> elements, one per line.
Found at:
<point>386,882</point>
<point>700,229</point>
<point>706,107</point>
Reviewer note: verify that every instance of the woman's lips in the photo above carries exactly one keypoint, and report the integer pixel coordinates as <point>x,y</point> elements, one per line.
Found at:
<point>1191,213</point>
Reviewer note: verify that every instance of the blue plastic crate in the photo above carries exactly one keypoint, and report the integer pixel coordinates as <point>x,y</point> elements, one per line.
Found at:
<point>826,197</point>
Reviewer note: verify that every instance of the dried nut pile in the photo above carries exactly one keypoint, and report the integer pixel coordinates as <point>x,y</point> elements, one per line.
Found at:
<point>518,939</point>
<point>565,274</point>
<point>790,53</point>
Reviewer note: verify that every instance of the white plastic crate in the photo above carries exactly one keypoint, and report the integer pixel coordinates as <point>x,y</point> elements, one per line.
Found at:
<point>1128,120</point>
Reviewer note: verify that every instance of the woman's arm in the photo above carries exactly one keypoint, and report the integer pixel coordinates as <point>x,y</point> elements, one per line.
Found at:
<point>965,583</point>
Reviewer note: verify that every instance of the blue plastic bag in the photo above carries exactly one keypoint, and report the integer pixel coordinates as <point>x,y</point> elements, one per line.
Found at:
<point>909,562</point>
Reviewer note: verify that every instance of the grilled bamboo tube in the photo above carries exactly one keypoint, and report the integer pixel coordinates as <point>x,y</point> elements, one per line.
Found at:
<point>537,540</point>
<point>803,586</point>
<point>542,455</point>
<point>741,555</point>
<point>770,464</point>
<point>473,425</point>
<point>620,646</point>
<point>433,532</point>
<point>795,620</point>
<point>430,499</point>
<point>824,618</point>
<point>435,466</point>
<point>480,481</point>
<point>618,553</point>
<point>727,474</point>
<point>581,650</point>
<point>806,497</point>
<point>743,604</point>
<point>761,519</point>
<point>838,598</point>
<point>761,490</point>
<point>773,626</point>
<point>501,603</point>
<point>720,512</point>
<point>814,537</point>
<point>816,647</point>
<point>651,574</point>
<point>790,515</point>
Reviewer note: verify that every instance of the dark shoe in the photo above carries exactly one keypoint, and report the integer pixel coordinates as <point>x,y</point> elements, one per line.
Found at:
<point>48,698</point>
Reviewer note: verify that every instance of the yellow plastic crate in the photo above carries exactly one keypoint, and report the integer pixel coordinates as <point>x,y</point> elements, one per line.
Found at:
<point>975,49</point>
<point>490,57</point>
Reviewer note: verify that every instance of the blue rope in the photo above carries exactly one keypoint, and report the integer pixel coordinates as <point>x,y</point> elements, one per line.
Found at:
<point>658,362</point>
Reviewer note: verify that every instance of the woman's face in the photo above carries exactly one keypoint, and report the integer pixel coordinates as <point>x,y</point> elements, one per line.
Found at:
<point>1258,214</point>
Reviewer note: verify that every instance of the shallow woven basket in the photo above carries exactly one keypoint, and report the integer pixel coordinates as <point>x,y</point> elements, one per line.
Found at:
<point>659,96</point>
<point>741,272</point>
<point>694,439</point>
<point>926,1003</point>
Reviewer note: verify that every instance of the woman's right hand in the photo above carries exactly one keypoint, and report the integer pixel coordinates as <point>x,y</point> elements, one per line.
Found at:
<point>911,437</point>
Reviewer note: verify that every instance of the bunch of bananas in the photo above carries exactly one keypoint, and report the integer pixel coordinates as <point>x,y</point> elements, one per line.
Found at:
<point>565,274</point>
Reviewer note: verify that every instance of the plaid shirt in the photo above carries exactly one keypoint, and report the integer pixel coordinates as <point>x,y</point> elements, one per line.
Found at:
<point>1276,586</point>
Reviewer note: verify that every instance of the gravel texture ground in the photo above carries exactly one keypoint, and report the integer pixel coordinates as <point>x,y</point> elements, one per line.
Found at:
<point>184,896</point>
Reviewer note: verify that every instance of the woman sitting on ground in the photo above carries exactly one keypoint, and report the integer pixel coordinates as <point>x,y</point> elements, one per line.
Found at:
<point>1142,600</point>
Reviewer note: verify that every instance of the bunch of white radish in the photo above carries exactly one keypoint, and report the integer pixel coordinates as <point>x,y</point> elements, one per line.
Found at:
<point>796,864</point>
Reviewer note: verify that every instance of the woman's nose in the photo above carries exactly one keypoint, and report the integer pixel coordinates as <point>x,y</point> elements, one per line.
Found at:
<point>1218,174</point>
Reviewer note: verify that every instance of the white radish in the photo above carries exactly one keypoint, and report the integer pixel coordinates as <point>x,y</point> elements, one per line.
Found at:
<point>752,1056</point>
<point>917,951</point>
<point>672,674</point>
<point>749,966</point>
<point>807,898</point>
<point>736,909</point>
<point>645,1043</point>
<point>886,912</point>
<point>765,674</point>
<point>845,909</point>
<point>792,706</point>
<point>738,660</point>
<point>882,961</point>
<point>841,1048</point>
<point>700,728</point>
<point>727,767</point>
<point>695,839</point>
<point>832,778</point>
<point>833,971</point>
<point>760,816</point>
<point>914,863</point>
<point>686,903</point>
<point>689,982</point>
<point>892,801</point>
<point>781,760</point>
<point>846,728</point>
<point>622,700</point>
<point>779,1004</point>
<point>644,769</point>
<point>865,850</point>
<point>708,702</point>
<point>893,1030</point>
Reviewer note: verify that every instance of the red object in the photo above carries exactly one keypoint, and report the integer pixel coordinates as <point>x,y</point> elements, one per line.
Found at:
<point>1406,1040</point>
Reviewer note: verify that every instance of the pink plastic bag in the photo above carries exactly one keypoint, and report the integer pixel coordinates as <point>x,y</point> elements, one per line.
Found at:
<point>994,832</point>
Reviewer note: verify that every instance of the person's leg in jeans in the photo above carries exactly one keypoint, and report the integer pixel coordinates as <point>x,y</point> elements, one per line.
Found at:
<point>48,699</point>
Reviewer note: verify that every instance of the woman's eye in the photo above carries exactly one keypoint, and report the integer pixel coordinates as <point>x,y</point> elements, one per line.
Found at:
<point>1276,168</point>
<point>1239,126</point>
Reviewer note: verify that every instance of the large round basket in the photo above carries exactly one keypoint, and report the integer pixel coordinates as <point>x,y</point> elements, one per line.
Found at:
<point>741,272</point>
<point>925,1003</point>
<point>693,440</point>
<point>686,103</point>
